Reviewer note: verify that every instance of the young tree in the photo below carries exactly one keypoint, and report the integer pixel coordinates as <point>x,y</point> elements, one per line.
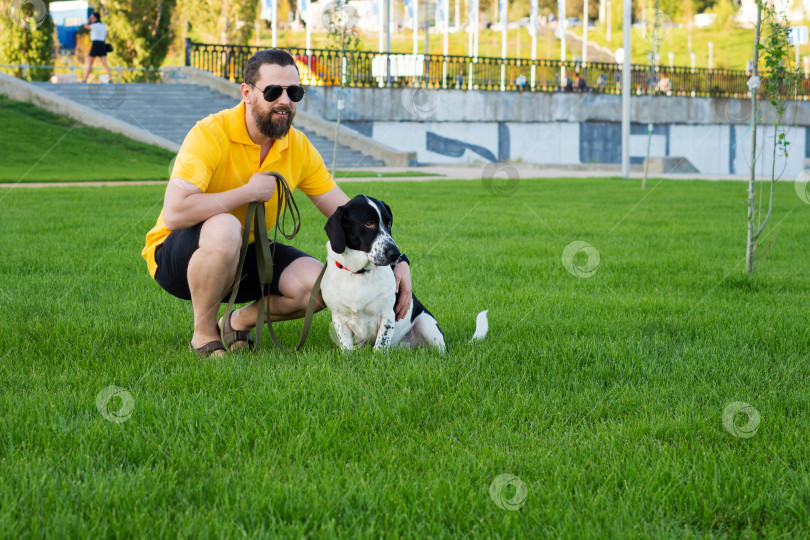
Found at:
<point>779,85</point>
<point>341,21</point>
<point>141,32</point>
<point>26,36</point>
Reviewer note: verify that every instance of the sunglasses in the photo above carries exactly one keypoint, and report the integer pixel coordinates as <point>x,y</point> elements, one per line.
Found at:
<point>273,92</point>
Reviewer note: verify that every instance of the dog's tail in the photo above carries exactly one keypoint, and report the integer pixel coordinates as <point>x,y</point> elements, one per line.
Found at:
<point>481,326</point>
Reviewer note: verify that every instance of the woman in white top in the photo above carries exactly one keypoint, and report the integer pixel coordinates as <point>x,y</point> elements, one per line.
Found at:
<point>98,36</point>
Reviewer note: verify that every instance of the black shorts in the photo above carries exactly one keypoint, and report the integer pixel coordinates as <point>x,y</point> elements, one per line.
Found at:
<point>98,48</point>
<point>173,255</point>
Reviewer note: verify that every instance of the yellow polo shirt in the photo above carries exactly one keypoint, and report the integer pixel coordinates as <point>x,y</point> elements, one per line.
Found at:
<point>218,155</point>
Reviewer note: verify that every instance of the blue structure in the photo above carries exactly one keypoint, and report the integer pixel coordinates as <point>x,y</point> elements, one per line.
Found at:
<point>69,17</point>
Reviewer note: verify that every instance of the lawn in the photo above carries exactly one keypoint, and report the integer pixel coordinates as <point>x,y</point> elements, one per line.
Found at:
<point>41,146</point>
<point>45,147</point>
<point>603,395</point>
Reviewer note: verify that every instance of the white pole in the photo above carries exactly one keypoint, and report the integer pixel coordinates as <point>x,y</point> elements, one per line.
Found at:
<point>671,56</point>
<point>806,60</point>
<point>627,29</point>
<point>711,55</point>
<point>381,40</point>
<point>275,21</point>
<point>477,13</point>
<point>609,10</point>
<point>584,33</point>
<point>504,34</point>
<point>309,34</point>
<point>533,23</point>
<point>447,25</point>
<point>415,26</point>
<point>561,26</point>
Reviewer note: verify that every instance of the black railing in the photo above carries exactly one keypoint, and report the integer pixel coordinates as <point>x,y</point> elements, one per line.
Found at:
<point>323,67</point>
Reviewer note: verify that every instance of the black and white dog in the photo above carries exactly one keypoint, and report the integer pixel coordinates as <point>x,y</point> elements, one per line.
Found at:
<point>359,286</point>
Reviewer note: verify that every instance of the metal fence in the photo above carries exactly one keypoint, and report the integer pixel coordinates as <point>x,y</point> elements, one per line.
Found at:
<point>365,69</point>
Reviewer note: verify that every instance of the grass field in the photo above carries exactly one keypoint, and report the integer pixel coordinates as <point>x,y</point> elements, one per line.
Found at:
<point>45,147</point>
<point>603,395</point>
<point>41,146</point>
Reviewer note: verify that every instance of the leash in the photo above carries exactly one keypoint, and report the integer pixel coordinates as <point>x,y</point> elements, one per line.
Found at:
<point>265,251</point>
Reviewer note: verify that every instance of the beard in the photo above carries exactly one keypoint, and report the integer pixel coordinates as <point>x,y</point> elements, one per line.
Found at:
<point>272,127</point>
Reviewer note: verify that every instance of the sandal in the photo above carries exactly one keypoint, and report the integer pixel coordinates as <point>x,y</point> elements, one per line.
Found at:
<point>212,349</point>
<point>235,340</point>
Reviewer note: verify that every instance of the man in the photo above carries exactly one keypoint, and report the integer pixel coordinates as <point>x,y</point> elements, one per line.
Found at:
<point>193,250</point>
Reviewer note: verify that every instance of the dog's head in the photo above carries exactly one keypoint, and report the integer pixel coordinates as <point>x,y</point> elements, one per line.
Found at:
<point>364,224</point>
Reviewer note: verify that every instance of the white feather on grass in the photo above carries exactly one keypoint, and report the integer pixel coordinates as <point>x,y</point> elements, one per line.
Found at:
<point>481,326</point>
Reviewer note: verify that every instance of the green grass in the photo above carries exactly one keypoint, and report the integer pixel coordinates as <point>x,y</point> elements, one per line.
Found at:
<point>603,395</point>
<point>41,146</point>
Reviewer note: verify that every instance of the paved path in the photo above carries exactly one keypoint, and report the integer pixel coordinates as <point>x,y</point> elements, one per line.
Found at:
<point>444,172</point>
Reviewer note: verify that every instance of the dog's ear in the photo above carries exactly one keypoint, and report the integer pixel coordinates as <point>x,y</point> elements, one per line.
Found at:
<point>334,230</point>
<point>388,209</point>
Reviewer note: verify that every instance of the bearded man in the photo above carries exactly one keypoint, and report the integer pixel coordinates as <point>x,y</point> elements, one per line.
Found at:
<point>193,249</point>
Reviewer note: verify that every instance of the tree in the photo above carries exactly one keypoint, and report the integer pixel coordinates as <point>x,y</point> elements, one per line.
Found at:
<point>780,84</point>
<point>141,32</point>
<point>221,21</point>
<point>341,20</point>
<point>26,37</point>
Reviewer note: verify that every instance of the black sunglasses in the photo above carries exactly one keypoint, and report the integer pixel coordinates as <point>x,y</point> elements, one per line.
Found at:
<point>273,92</point>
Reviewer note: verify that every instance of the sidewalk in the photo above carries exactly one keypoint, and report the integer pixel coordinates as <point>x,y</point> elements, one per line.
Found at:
<point>446,172</point>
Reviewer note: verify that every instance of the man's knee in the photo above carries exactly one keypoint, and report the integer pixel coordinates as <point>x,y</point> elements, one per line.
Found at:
<point>297,280</point>
<point>222,232</point>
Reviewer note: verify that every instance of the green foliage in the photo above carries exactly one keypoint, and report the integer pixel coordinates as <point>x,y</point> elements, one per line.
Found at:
<point>343,31</point>
<point>26,36</point>
<point>781,75</point>
<point>221,21</point>
<point>726,12</point>
<point>141,32</point>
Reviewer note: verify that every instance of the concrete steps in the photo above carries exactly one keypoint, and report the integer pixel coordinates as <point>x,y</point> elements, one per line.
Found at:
<point>171,110</point>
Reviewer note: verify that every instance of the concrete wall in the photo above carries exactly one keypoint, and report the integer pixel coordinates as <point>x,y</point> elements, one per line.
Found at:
<point>449,126</point>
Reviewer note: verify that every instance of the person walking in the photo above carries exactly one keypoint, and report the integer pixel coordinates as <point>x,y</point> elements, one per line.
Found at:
<point>98,49</point>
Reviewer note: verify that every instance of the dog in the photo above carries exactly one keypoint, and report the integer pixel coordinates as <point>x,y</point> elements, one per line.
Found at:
<point>358,285</point>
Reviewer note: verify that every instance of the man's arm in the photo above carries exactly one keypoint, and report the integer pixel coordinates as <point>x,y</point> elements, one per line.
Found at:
<point>185,205</point>
<point>328,202</point>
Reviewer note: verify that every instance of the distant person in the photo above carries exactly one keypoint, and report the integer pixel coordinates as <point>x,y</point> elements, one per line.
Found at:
<point>665,85</point>
<point>602,82</point>
<point>98,49</point>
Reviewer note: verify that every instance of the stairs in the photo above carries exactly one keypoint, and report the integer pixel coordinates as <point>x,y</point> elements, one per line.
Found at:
<point>171,110</point>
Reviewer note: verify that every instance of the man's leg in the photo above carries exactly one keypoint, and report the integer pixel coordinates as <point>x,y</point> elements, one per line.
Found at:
<point>295,285</point>
<point>211,271</point>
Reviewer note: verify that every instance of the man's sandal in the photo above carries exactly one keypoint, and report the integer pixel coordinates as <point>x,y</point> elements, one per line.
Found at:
<point>235,340</point>
<point>212,349</point>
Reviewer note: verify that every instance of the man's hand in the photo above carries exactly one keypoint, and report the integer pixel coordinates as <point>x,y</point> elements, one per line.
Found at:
<point>402,275</point>
<point>262,187</point>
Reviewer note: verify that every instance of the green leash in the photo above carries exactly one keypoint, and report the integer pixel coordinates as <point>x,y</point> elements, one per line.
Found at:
<point>264,259</point>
